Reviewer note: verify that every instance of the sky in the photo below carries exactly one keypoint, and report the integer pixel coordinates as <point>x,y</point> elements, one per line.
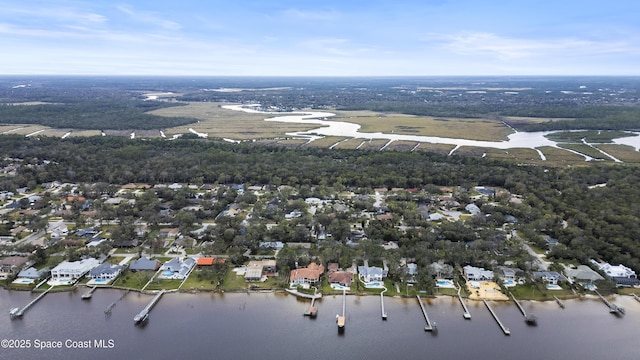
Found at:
<point>319,37</point>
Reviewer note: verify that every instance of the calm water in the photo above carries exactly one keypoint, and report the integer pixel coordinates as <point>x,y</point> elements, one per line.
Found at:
<point>271,326</point>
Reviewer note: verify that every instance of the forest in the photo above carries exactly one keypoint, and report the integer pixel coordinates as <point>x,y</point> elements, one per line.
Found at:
<point>563,203</point>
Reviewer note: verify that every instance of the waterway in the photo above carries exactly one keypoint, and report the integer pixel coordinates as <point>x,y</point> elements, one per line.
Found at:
<point>272,326</point>
<point>327,127</point>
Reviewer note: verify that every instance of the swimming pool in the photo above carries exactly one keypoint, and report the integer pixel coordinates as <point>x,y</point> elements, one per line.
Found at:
<point>554,287</point>
<point>23,281</point>
<point>167,274</point>
<point>509,283</point>
<point>374,285</point>
<point>100,281</point>
<point>443,283</point>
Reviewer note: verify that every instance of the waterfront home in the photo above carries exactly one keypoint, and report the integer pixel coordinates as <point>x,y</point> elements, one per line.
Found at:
<point>477,274</point>
<point>177,268</point>
<point>144,263</point>
<point>549,277</point>
<point>33,273</point>
<point>442,270</point>
<point>259,270</point>
<point>582,274</point>
<point>12,264</point>
<point>72,270</point>
<point>105,271</point>
<point>622,275</point>
<point>507,274</point>
<point>309,275</point>
<point>371,273</point>
<point>343,278</point>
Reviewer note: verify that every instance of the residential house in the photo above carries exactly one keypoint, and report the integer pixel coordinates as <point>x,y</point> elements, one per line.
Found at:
<point>57,229</point>
<point>105,271</point>
<point>473,209</point>
<point>177,268</point>
<point>622,275</point>
<point>33,273</point>
<point>205,261</point>
<point>507,273</point>
<point>583,274</point>
<point>332,267</point>
<point>442,270</point>
<point>72,270</point>
<point>477,274</point>
<point>256,270</point>
<point>371,273</point>
<point>12,264</point>
<point>275,245</point>
<point>309,275</point>
<point>144,263</point>
<point>549,277</point>
<point>343,278</point>
<point>412,272</point>
<point>169,233</point>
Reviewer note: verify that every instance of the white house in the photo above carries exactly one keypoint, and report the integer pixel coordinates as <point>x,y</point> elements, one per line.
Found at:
<point>371,273</point>
<point>619,271</point>
<point>477,274</point>
<point>72,270</point>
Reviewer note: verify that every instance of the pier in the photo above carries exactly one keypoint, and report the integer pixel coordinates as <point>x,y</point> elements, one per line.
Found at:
<point>18,312</point>
<point>560,303</point>
<point>384,314</point>
<point>313,310</point>
<point>431,326</point>
<point>613,308</point>
<point>340,319</point>
<point>636,297</point>
<point>144,314</point>
<point>107,311</point>
<point>467,314</point>
<point>88,294</point>
<point>528,318</point>
<point>505,329</point>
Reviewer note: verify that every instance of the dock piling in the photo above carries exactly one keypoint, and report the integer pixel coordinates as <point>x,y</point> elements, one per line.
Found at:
<point>431,326</point>
<point>505,329</point>
<point>613,308</point>
<point>18,312</point>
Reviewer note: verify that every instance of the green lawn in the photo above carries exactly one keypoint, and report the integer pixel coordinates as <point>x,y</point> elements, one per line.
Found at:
<point>133,280</point>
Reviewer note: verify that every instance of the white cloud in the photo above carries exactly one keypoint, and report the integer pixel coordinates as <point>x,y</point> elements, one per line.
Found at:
<point>511,48</point>
<point>149,18</point>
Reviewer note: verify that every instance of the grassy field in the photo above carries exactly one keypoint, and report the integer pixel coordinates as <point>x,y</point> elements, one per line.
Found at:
<point>587,150</point>
<point>326,141</point>
<point>219,122</point>
<point>473,129</point>
<point>621,152</point>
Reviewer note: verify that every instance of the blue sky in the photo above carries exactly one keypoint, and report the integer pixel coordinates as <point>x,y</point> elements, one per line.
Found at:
<point>320,38</point>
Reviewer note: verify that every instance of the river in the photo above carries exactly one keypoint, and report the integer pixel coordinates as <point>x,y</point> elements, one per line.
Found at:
<point>271,326</point>
<point>531,140</point>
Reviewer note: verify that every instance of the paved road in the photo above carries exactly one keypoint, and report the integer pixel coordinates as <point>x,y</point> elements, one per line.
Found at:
<point>540,261</point>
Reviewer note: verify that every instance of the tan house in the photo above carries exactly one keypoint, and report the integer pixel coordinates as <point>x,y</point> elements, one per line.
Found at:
<point>309,275</point>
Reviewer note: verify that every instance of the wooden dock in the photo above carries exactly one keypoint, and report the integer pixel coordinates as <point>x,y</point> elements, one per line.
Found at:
<point>384,314</point>
<point>18,312</point>
<point>109,308</point>
<point>144,314</point>
<point>431,326</point>
<point>560,303</point>
<point>613,308</point>
<point>528,318</point>
<point>466,314</point>
<point>505,329</point>
<point>341,319</point>
<point>636,297</point>
<point>88,294</point>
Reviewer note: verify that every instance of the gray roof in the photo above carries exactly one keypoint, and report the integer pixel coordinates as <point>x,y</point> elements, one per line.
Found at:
<point>144,263</point>
<point>584,272</point>
<point>104,268</point>
<point>32,273</point>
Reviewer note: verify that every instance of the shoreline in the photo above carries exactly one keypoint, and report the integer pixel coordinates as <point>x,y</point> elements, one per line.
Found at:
<point>300,295</point>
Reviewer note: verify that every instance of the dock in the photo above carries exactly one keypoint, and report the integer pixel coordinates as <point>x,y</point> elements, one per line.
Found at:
<point>636,297</point>
<point>613,308</point>
<point>341,319</point>
<point>313,310</point>
<point>505,329</point>
<point>144,314</point>
<point>431,326</point>
<point>466,314</point>
<point>107,311</point>
<point>560,303</point>
<point>384,314</point>
<point>528,318</point>
<point>88,294</point>
<point>18,312</point>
